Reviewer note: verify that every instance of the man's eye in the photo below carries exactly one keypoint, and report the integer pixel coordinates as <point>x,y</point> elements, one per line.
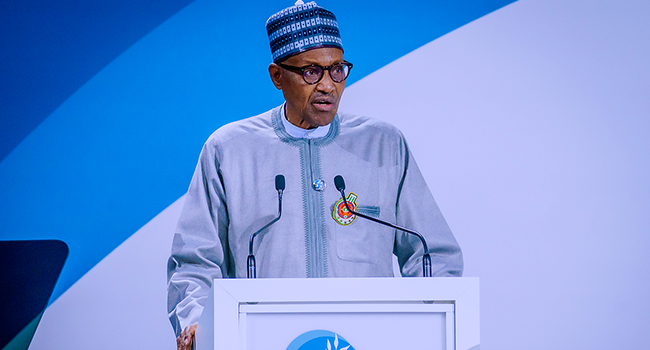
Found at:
<point>310,72</point>
<point>337,69</point>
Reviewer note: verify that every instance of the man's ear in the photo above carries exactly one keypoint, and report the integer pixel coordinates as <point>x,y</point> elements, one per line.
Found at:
<point>276,75</point>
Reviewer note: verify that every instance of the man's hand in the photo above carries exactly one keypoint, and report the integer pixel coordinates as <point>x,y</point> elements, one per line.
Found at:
<point>186,338</point>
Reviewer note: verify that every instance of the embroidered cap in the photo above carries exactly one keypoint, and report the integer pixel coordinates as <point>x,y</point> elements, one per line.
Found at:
<point>300,28</point>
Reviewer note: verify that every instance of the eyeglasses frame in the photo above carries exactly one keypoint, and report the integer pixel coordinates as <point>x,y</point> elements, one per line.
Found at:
<point>301,71</point>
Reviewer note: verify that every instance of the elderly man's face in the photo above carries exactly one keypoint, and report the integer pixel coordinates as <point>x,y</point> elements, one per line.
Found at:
<point>309,106</point>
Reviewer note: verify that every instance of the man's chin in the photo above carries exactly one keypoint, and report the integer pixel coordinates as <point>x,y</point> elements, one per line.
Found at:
<point>323,119</point>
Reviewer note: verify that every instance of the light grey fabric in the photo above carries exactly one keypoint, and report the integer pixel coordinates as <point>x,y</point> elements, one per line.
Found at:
<point>232,194</point>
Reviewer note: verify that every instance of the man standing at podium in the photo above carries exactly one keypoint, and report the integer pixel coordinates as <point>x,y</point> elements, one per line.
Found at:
<point>232,193</point>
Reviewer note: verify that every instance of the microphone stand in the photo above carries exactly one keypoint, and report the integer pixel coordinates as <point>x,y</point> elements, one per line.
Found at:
<point>426,258</point>
<point>250,262</point>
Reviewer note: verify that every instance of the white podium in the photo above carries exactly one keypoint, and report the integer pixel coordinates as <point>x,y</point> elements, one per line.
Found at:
<point>362,313</point>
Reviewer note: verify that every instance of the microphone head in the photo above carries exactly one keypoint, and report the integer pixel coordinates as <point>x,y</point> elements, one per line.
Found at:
<point>279,182</point>
<point>339,183</point>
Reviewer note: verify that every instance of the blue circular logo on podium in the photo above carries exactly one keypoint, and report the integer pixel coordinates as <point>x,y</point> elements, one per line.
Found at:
<point>320,340</point>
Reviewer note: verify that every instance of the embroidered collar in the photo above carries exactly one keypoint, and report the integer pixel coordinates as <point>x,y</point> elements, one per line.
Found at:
<point>278,121</point>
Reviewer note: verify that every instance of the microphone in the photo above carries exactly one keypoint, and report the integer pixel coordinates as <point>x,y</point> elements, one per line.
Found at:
<point>339,183</point>
<point>250,262</point>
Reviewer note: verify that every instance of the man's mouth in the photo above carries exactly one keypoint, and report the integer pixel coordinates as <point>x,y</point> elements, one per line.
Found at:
<point>324,104</point>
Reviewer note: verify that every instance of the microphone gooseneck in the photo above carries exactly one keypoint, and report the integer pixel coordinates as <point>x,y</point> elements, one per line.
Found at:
<point>250,262</point>
<point>339,183</point>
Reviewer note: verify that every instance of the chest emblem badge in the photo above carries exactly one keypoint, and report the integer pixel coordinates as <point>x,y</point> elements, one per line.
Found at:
<point>341,214</point>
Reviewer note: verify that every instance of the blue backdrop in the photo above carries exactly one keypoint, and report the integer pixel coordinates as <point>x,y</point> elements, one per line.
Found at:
<point>103,117</point>
<point>528,120</point>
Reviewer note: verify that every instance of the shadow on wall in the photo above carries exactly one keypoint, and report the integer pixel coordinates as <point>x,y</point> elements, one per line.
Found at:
<point>30,271</point>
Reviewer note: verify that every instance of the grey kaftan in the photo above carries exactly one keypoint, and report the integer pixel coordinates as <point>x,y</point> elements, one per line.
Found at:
<point>232,194</point>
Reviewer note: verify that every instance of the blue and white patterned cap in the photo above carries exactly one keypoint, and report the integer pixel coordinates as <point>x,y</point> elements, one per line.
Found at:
<point>300,28</point>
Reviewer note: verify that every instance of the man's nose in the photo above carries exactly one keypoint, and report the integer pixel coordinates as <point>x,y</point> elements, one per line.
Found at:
<point>326,84</point>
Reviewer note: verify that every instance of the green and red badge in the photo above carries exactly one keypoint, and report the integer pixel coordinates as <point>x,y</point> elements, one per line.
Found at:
<point>341,214</point>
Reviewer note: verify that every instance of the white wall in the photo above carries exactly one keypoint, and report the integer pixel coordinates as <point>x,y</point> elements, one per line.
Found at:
<point>532,127</point>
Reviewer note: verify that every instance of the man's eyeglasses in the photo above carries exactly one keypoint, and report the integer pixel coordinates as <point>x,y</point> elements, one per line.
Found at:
<point>313,73</point>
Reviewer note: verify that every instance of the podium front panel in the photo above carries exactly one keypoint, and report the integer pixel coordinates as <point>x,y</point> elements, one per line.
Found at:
<point>362,313</point>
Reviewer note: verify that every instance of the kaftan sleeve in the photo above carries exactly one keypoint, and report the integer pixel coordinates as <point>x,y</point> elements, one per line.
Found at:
<point>416,209</point>
<point>200,249</point>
